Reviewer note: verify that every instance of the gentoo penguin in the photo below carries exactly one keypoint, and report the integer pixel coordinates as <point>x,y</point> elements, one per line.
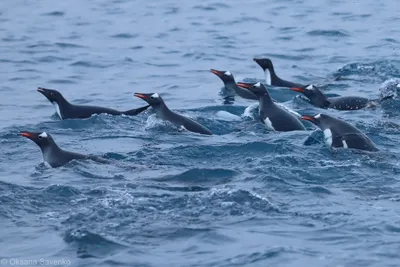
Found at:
<point>164,113</point>
<point>338,133</point>
<point>318,99</point>
<point>274,117</point>
<point>230,84</point>
<point>52,154</point>
<point>66,110</point>
<point>270,76</point>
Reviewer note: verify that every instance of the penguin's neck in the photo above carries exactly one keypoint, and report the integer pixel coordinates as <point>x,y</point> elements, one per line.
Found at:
<point>320,101</point>
<point>162,111</point>
<point>270,77</point>
<point>60,106</point>
<point>265,101</point>
<point>49,152</point>
<point>231,84</point>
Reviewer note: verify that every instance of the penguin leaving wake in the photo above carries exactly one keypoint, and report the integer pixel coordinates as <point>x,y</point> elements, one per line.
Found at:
<point>66,110</point>
<point>230,84</point>
<point>318,99</point>
<point>338,133</point>
<point>164,113</point>
<point>54,155</point>
<point>274,117</point>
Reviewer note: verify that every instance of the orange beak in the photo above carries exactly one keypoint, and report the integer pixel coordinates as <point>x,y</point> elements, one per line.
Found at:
<point>27,135</point>
<point>142,96</point>
<point>307,118</point>
<point>244,85</point>
<point>216,72</point>
<point>301,90</point>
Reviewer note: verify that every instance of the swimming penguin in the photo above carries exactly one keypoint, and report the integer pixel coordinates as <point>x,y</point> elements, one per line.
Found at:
<point>318,99</point>
<point>274,117</point>
<point>338,133</point>
<point>230,84</point>
<point>66,110</point>
<point>270,76</point>
<point>52,154</point>
<point>164,113</point>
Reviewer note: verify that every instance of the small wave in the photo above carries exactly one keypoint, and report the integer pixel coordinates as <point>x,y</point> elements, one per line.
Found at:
<point>224,115</point>
<point>54,14</point>
<point>251,111</point>
<point>61,190</point>
<point>230,198</point>
<point>137,47</point>
<point>124,36</point>
<point>91,245</point>
<point>374,72</point>
<point>87,64</point>
<point>171,10</point>
<point>62,81</point>
<point>24,62</point>
<point>390,40</point>
<point>254,258</point>
<point>328,33</point>
<point>198,175</point>
<point>167,65</point>
<point>390,87</point>
<point>49,59</point>
<point>95,175</point>
<point>68,45</point>
<point>320,190</point>
<point>205,8</point>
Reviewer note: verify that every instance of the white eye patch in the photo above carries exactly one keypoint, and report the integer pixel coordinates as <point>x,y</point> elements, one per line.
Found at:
<point>155,95</point>
<point>257,84</point>
<point>43,135</point>
<point>310,87</point>
<point>228,73</point>
<point>317,116</point>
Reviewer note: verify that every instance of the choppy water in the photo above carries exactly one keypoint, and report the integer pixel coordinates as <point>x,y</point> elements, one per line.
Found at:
<point>243,197</point>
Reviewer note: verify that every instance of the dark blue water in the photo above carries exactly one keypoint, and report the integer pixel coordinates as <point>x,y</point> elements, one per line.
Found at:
<point>243,197</point>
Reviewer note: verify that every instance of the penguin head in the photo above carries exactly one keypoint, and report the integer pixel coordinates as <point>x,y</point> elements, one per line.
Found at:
<point>258,88</point>
<point>225,76</point>
<point>42,139</point>
<point>51,94</point>
<point>153,99</point>
<point>265,63</point>
<point>316,97</point>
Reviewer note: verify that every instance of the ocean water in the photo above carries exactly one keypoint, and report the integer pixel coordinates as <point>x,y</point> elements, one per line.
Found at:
<point>242,197</point>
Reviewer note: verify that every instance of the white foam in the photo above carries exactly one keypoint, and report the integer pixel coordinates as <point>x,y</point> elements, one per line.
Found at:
<point>57,108</point>
<point>248,112</point>
<point>227,116</point>
<point>328,137</point>
<point>182,128</point>
<point>47,165</point>
<point>268,79</point>
<point>153,121</point>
